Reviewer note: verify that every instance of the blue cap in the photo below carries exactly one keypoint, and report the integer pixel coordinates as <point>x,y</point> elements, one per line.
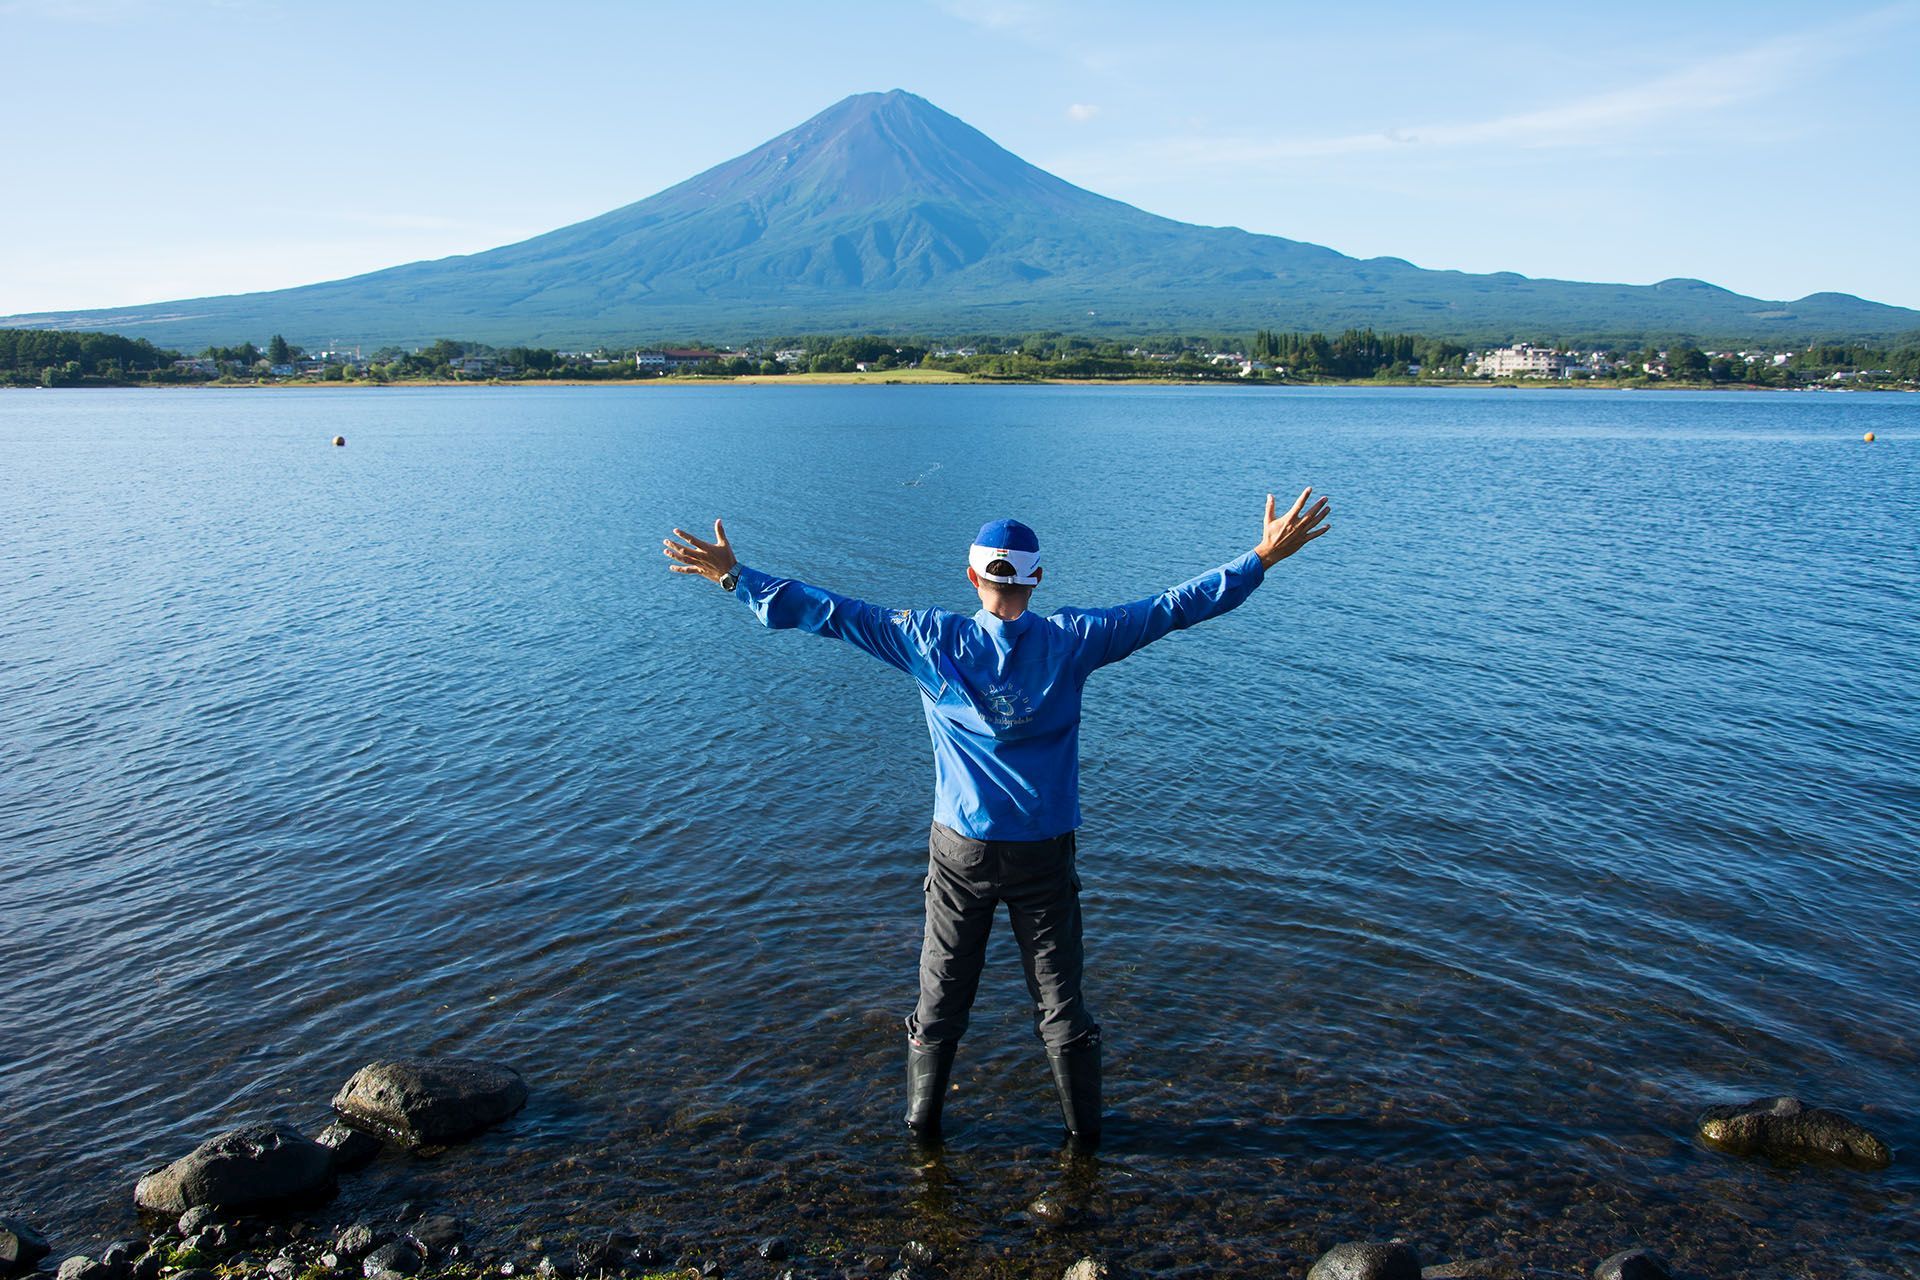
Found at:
<point>1007,535</point>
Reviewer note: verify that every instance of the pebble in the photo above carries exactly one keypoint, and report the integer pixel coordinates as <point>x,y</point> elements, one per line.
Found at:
<point>918,1253</point>
<point>1085,1269</point>
<point>773,1249</point>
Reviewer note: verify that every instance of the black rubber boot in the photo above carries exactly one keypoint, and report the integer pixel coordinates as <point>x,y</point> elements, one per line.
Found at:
<point>929,1066</point>
<point>1076,1074</point>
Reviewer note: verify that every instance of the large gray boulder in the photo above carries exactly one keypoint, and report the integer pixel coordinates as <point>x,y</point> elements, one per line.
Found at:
<point>255,1164</point>
<point>420,1101</point>
<point>21,1247</point>
<point>1786,1129</point>
<point>1393,1261</point>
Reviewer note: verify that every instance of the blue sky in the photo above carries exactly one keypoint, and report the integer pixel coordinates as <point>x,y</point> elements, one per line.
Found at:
<point>207,146</point>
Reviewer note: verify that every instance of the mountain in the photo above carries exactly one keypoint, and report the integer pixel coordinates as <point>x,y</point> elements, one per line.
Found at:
<point>885,214</point>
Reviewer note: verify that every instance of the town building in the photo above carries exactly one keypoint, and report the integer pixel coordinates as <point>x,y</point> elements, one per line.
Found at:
<point>1522,361</point>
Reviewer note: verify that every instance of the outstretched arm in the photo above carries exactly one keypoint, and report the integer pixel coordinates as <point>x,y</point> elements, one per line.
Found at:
<point>785,602</point>
<point>1112,634</point>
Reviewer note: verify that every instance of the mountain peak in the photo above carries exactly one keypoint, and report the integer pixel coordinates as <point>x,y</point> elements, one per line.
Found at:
<point>882,212</point>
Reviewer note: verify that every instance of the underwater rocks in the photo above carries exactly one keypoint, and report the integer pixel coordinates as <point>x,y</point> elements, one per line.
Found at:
<point>427,1101</point>
<point>1786,1129</point>
<point>1633,1264</point>
<point>253,1165</point>
<point>21,1247</point>
<point>1367,1262</point>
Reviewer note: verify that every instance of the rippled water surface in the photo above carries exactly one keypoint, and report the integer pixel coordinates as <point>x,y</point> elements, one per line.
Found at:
<point>1567,787</point>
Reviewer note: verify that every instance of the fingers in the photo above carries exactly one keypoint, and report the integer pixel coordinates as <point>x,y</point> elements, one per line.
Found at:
<point>687,537</point>
<point>1269,508</point>
<point>1299,502</point>
<point>1315,514</point>
<point>719,533</point>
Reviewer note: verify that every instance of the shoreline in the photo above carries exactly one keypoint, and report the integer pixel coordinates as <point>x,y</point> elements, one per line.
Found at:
<point>913,378</point>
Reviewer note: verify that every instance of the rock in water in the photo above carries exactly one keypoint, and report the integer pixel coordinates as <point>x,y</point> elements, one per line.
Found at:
<point>21,1247</point>
<point>1085,1269</point>
<point>255,1164</point>
<point>420,1101</point>
<point>1787,1129</point>
<point>1367,1262</point>
<point>1633,1264</point>
<point>352,1148</point>
<point>396,1259</point>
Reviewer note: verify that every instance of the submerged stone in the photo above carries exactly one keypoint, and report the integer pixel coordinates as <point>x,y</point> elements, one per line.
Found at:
<point>352,1148</point>
<point>1085,1269</point>
<point>252,1165</point>
<point>1633,1264</point>
<point>1786,1129</point>
<point>1393,1261</point>
<point>21,1247</point>
<point>430,1100</point>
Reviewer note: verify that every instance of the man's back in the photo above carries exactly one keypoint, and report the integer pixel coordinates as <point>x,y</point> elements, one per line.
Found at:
<point>1002,696</point>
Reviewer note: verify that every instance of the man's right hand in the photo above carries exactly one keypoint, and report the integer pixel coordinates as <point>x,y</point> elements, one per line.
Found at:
<point>711,560</point>
<point>1281,536</point>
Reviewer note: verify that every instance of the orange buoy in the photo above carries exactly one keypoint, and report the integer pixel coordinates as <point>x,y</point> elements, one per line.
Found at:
<point>338,441</point>
<point>1868,437</point>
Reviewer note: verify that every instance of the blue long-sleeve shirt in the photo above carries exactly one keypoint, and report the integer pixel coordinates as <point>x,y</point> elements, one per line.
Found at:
<point>1002,698</point>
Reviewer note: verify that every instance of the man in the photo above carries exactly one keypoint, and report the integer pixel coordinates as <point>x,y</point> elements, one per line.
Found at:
<point>1001,691</point>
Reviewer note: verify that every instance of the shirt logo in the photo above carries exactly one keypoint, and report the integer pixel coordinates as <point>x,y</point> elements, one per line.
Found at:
<point>1007,705</point>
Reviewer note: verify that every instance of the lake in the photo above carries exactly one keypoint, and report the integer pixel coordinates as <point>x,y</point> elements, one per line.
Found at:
<point>1565,788</point>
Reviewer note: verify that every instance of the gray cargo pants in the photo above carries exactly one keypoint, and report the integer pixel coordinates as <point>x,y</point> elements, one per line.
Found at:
<point>966,881</point>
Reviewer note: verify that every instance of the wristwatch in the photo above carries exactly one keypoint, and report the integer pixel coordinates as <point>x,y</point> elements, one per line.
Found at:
<point>731,578</point>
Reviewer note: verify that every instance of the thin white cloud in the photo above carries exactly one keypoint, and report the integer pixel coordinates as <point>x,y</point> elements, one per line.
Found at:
<point>1081,112</point>
<point>1710,85</point>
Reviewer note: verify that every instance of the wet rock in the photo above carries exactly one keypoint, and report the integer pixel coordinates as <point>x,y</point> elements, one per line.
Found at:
<point>194,1273</point>
<point>359,1240</point>
<point>1473,1269</point>
<point>436,1233</point>
<point>430,1100</point>
<point>282,1267</point>
<point>1393,1261</point>
<point>254,1164</point>
<point>352,1148</point>
<point>1633,1264</point>
<point>208,1241</point>
<point>773,1249</point>
<point>21,1247</point>
<point>1787,1129</point>
<point>1085,1269</point>
<point>196,1220</point>
<point>80,1267</point>
<point>392,1259</point>
<point>117,1259</point>
<point>1050,1210</point>
<point>552,1268</point>
<point>146,1267</point>
<point>918,1253</point>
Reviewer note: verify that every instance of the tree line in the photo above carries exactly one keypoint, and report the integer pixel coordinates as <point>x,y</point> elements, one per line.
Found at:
<point>57,358</point>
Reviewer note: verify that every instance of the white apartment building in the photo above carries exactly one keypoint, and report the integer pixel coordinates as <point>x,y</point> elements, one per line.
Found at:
<point>1522,361</point>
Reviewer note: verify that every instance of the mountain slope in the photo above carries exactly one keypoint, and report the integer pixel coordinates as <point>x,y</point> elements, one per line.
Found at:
<point>885,213</point>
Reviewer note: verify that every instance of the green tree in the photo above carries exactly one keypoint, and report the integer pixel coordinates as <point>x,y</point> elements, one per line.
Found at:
<point>278,351</point>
